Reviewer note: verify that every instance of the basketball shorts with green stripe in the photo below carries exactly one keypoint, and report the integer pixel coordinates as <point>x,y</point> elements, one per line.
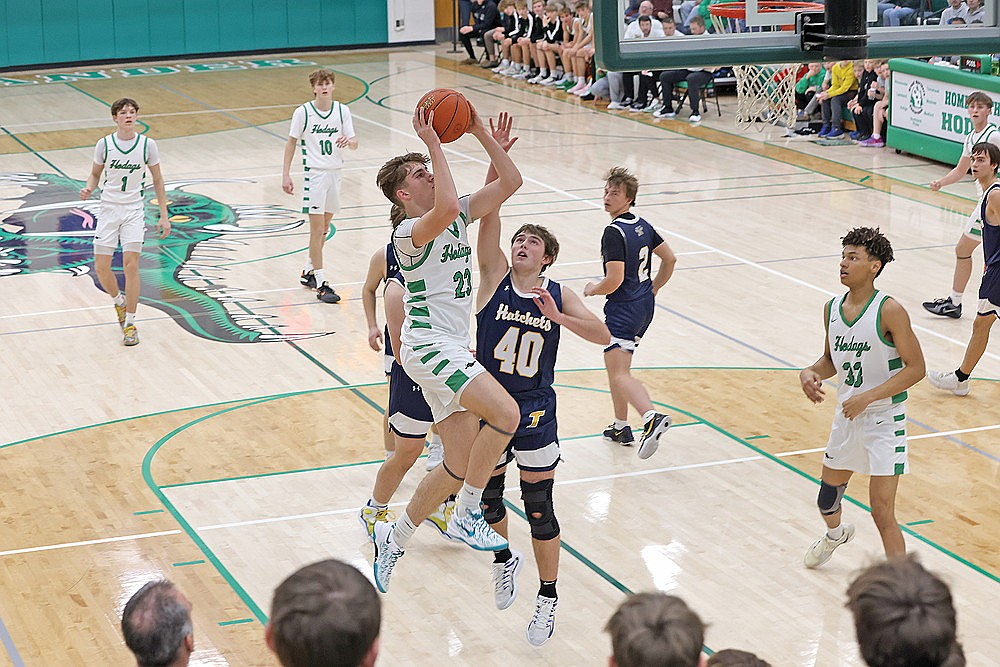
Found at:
<point>873,443</point>
<point>321,192</point>
<point>443,370</point>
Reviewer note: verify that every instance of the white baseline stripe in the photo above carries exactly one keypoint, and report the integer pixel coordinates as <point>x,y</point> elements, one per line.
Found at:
<point>85,543</point>
<point>566,482</point>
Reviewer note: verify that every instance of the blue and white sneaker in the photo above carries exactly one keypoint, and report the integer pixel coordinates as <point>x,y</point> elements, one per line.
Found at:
<point>470,527</point>
<point>505,580</point>
<point>386,554</point>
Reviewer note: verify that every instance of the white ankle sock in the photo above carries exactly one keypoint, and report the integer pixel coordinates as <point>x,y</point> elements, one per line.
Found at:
<point>376,504</point>
<point>469,498</point>
<point>129,319</point>
<point>956,298</point>
<point>404,531</point>
<point>835,533</point>
<point>320,276</point>
<point>119,299</point>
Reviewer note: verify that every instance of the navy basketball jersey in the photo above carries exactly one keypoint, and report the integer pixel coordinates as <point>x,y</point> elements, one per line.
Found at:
<point>515,342</point>
<point>990,287</point>
<point>391,273</point>
<point>630,239</point>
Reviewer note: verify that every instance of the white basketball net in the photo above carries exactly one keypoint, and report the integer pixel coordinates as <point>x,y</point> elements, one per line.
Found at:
<point>765,94</point>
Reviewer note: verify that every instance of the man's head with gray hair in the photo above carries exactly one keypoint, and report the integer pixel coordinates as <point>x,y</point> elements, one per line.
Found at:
<point>156,624</point>
<point>645,8</point>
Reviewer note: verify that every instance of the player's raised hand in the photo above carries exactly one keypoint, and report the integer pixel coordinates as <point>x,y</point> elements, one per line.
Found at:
<point>812,385</point>
<point>423,125</point>
<point>546,304</point>
<point>501,131</point>
<point>476,127</point>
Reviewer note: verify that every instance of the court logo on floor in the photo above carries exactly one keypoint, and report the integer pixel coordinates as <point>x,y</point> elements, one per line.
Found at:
<point>182,275</point>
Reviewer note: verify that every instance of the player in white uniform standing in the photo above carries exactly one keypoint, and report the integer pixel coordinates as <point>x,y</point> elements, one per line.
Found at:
<point>432,246</point>
<point>124,157</point>
<point>871,348</point>
<point>319,130</point>
<point>980,107</point>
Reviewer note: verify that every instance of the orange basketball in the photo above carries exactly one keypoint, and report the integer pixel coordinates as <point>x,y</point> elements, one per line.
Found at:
<point>452,112</point>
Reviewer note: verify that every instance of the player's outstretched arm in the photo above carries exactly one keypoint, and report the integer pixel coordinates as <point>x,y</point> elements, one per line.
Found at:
<point>161,198</point>
<point>955,175</point>
<point>574,316</point>
<point>668,260</point>
<point>491,256</point>
<point>445,209</point>
<point>376,273</point>
<point>898,330</point>
<point>491,196</point>
<point>812,377</point>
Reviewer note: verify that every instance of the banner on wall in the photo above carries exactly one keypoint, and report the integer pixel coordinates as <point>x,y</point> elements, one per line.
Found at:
<point>933,107</point>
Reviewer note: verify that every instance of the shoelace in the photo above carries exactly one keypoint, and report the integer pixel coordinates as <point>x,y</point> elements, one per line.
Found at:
<point>503,578</point>
<point>544,609</point>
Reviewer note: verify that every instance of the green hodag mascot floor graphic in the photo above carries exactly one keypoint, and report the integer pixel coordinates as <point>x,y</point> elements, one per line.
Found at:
<point>53,230</point>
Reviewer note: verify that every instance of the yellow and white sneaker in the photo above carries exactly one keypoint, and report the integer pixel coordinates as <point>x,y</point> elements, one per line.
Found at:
<point>130,336</point>
<point>120,312</point>
<point>440,518</point>
<point>368,515</point>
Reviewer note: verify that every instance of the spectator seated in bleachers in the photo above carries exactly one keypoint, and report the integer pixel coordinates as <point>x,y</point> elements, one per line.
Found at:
<point>956,9</point>
<point>582,53</point>
<point>862,105</point>
<point>528,42</point>
<point>806,88</point>
<point>498,55</point>
<point>900,12</point>
<point>879,111</point>
<point>696,78</point>
<point>510,47</point>
<point>486,17</point>
<point>843,87</point>
<point>549,46</point>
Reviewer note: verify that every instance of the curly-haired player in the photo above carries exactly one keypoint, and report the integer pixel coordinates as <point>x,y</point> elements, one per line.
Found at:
<point>871,348</point>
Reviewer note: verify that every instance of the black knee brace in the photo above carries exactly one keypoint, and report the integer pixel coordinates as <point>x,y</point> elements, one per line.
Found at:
<point>493,508</point>
<point>537,497</point>
<point>829,498</point>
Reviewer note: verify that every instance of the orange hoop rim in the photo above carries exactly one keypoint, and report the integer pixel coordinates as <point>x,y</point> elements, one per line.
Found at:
<point>738,10</point>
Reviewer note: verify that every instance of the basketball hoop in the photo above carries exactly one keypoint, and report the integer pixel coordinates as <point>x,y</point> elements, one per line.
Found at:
<point>765,94</point>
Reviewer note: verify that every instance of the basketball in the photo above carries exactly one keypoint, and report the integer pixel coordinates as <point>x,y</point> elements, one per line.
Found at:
<point>452,112</point>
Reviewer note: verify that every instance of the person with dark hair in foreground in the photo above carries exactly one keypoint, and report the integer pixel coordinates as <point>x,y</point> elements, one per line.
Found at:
<point>156,624</point>
<point>325,615</point>
<point>904,616</point>
<point>655,630</point>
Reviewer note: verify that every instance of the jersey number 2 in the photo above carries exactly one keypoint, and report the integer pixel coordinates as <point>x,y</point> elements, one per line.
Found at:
<point>643,263</point>
<point>521,357</point>
<point>463,283</point>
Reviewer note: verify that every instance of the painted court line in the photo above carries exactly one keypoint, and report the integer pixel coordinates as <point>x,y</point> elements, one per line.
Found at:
<point>85,543</point>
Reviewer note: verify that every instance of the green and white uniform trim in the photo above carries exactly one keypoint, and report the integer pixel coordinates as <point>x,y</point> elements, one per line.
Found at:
<point>862,356</point>
<point>318,133</point>
<point>438,282</point>
<point>125,165</point>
